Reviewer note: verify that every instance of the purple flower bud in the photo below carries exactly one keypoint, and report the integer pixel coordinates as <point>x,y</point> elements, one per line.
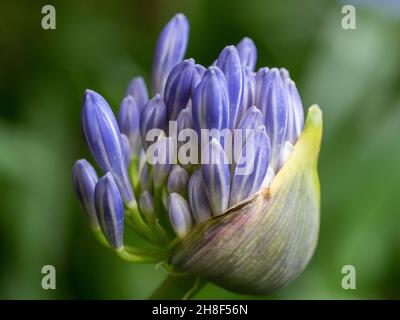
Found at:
<point>177,180</point>
<point>161,155</point>
<point>296,115</point>
<point>184,120</point>
<point>248,94</point>
<point>284,73</point>
<point>138,90</point>
<point>252,119</point>
<point>84,179</point>
<point>216,176</point>
<point>146,205</point>
<point>198,198</point>
<point>103,137</point>
<point>272,100</point>
<point>153,116</point>
<point>181,82</point>
<point>229,62</point>
<point>126,148</point>
<point>247,52</point>
<point>251,168</point>
<point>110,210</point>
<point>210,102</point>
<point>179,214</point>
<point>200,69</point>
<point>145,178</point>
<point>128,121</point>
<point>170,50</point>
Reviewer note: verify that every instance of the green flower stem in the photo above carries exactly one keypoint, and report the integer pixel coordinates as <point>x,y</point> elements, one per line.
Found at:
<point>133,174</point>
<point>100,237</point>
<point>144,229</point>
<point>136,258</point>
<point>147,252</point>
<point>162,213</point>
<point>178,287</point>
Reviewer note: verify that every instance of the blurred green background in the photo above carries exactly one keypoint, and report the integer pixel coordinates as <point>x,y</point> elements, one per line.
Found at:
<point>354,75</point>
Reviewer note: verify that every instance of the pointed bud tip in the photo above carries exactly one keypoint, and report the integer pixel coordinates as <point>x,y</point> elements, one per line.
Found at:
<point>314,116</point>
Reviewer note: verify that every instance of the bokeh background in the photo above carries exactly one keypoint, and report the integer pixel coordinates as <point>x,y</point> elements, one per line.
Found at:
<point>354,75</point>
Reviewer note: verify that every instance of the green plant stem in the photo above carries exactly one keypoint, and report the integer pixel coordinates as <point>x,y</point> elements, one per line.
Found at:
<point>178,287</point>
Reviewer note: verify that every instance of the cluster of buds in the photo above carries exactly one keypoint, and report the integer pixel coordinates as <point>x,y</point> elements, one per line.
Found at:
<point>215,170</point>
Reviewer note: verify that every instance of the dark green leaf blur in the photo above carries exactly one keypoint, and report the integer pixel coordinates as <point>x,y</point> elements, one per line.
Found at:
<point>354,75</point>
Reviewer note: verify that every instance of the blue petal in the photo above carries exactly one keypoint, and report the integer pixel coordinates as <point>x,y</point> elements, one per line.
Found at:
<point>229,62</point>
<point>198,198</point>
<point>184,120</point>
<point>248,94</point>
<point>170,50</point>
<point>177,180</point>
<point>103,137</point>
<point>138,90</point>
<point>145,178</point>
<point>126,148</point>
<point>201,70</point>
<point>110,210</point>
<point>179,214</point>
<point>247,52</point>
<point>128,121</point>
<point>252,119</point>
<point>161,155</point>
<point>146,205</point>
<point>251,168</point>
<point>180,85</point>
<point>216,176</point>
<point>153,116</point>
<point>295,114</point>
<point>84,179</point>
<point>272,100</point>
<point>210,102</point>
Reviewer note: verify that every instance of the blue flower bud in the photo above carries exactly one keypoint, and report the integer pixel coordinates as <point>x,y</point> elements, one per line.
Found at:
<point>103,137</point>
<point>184,120</point>
<point>177,180</point>
<point>145,178</point>
<point>296,115</point>
<point>179,214</point>
<point>126,149</point>
<point>248,93</point>
<point>252,119</point>
<point>146,205</point>
<point>180,85</point>
<point>84,179</point>
<point>110,210</point>
<point>170,50</point>
<point>251,168</point>
<point>247,52</point>
<point>138,90</point>
<point>229,62</point>
<point>153,116</point>
<point>128,121</point>
<point>216,176</point>
<point>161,155</point>
<point>198,198</point>
<point>272,100</point>
<point>210,102</point>
<point>200,69</point>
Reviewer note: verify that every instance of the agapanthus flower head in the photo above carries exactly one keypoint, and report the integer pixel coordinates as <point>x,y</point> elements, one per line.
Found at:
<point>215,168</point>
